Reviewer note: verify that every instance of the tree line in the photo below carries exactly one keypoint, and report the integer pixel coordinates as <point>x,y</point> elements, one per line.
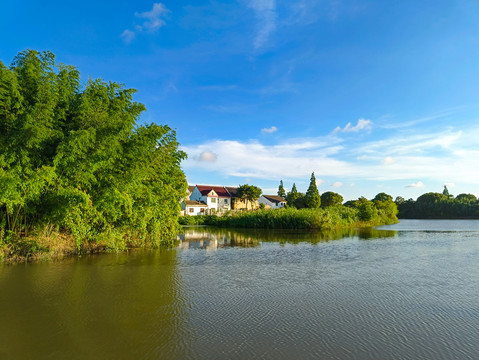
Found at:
<point>75,158</point>
<point>381,206</point>
<point>443,205</point>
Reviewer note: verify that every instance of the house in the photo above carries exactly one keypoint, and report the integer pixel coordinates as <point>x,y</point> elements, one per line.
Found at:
<point>272,201</point>
<point>191,207</point>
<point>216,198</point>
<point>239,204</point>
<point>189,191</point>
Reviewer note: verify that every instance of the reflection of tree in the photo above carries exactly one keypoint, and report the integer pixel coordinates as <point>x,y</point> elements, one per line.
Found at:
<point>253,237</point>
<point>98,307</point>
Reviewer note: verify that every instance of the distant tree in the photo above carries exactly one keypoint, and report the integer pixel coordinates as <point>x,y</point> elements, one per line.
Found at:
<point>249,193</point>
<point>330,198</point>
<point>281,191</point>
<point>399,200</point>
<point>292,195</point>
<point>383,197</point>
<point>466,198</point>
<point>312,197</point>
<point>446,192</point>
<point>366,209</point>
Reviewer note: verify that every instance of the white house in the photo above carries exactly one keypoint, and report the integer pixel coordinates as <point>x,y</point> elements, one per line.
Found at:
<point>216,198</point>
<point>191,207</point>
<point>272,201</point>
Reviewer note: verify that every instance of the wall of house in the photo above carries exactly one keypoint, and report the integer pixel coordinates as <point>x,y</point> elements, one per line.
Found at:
<point>266,202</point>
<point>196,195</point>
<point>194,210</point>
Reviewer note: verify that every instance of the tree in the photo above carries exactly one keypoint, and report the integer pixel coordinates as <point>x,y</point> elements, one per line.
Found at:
<point>330,198</point>
<point>383,197</point>
<point>292,195</point>
<point>312,197</point>
<point>75,157</point>
<point>281,191</point>
<point>446,192</point>
<point>249,193</point>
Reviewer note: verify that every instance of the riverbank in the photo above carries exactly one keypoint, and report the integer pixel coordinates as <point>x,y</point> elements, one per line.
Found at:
<point>50,244</point>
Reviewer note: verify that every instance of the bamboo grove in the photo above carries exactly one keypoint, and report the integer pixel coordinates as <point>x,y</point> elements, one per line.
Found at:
<point>74,158</point>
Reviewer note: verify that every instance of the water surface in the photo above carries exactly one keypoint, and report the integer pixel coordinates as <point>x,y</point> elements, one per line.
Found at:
<point>409,290</point>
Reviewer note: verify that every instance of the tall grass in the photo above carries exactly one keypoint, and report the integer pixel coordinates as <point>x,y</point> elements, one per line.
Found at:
<point>324,218</point>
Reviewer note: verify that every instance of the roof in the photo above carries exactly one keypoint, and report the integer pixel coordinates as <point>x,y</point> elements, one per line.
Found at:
<point>194,203</point>
<point>220,190</point>
<point>274,198</point>
<point>232,190</point>
<point>191,188</point>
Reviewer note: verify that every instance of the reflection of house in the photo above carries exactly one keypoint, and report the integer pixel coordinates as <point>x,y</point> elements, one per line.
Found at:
<point>272,201</point>
<point>191,207</point>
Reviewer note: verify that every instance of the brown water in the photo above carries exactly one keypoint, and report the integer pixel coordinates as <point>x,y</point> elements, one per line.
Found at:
<point>408,292</point>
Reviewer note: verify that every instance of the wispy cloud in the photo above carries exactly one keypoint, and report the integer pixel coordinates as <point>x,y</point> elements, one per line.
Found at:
<point>362,124</point>
<point>270,130</point>
<point>450,184</point>
<point>208,156</point>
<point>337,184</point>
<point>154,19</point>
<point>418,184</point>
<point>266,19</point>
<point>407,159</point>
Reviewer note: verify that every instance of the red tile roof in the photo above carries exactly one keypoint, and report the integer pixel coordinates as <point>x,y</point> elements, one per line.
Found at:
<point>220,190</point>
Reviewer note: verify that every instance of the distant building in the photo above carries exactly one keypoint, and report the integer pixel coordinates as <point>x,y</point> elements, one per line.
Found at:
<point>272,201</point>
<point>191,207</point>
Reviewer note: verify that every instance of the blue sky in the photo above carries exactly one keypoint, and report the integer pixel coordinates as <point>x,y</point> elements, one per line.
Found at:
<point>372,96</point>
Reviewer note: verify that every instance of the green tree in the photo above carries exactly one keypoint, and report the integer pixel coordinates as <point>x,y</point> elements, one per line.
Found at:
<point>312,197</point>
<point>330,198</point>
<point>249,193</point>
<point>281,191</point>
<point>76,158</point>
<point>446,192</point>
<point>292,195</point>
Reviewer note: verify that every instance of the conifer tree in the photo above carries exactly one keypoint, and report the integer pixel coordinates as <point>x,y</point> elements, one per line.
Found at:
<point>281,191</point>
<point>312,197</point>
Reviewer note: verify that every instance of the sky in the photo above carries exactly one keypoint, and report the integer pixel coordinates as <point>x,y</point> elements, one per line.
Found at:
<point>373,96</point>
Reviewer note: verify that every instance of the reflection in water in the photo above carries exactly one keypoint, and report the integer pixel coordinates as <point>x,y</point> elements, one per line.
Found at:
<point>212,238</point>
<point>225,294</point>
<point>121,306</point>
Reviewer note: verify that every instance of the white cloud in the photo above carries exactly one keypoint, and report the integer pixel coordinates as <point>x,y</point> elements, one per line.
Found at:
<point>452,155</point>
<point>418,184</point>
<point>337,184</point>
<point>265,12</point>
<point>450,184</point>
<point>154,21</point>
<point>128,36</point>
<point>319,181</point>
<point>208,156</point>
<point>388,160</point>
<point>270,130</point>
<point>154,17</point>
<point>362,124</point>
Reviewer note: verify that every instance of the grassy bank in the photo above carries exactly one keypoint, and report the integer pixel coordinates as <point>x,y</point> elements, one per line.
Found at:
<point>50,243</point>
<point>323,219</point>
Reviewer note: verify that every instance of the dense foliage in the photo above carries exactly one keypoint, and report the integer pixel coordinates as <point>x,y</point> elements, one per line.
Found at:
<point>361,213</point>
<point>74,158</point>
<point>439,206</point>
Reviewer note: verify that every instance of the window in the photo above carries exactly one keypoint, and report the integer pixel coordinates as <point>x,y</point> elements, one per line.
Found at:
<point>213,200</point>
<point>226,201</point>
<point>191,210</point>
<point>202,210</point>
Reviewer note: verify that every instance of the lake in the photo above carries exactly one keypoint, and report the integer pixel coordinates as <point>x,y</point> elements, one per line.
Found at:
<point>404,291</point>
